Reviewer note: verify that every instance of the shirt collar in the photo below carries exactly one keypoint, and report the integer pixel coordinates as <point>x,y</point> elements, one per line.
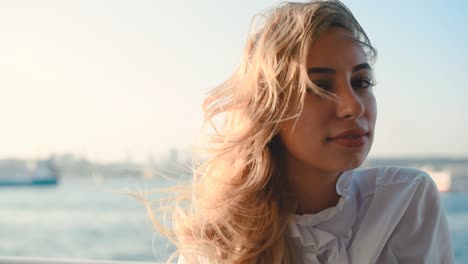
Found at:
<point>343,183</point>
<point>343,188</point>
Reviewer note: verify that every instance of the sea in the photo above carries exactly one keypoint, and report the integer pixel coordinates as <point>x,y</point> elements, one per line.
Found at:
<point>97,218</point>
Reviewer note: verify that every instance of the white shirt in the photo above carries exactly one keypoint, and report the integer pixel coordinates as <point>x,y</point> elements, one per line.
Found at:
<point>385,215</point>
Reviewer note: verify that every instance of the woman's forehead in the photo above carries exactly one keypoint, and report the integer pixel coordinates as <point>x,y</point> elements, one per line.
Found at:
<point>336,47</point>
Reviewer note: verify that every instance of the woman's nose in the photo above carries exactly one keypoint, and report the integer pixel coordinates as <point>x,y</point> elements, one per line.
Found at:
<point>349,104</point>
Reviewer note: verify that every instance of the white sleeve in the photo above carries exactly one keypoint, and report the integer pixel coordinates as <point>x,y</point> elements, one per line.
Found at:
<point>422,235</point>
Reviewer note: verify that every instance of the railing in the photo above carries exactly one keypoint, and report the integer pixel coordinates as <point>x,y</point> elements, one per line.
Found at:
<point>30,260</point>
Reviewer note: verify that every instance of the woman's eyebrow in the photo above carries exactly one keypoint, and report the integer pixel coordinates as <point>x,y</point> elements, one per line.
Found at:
<point>361,66</point>
<point>356,68</point>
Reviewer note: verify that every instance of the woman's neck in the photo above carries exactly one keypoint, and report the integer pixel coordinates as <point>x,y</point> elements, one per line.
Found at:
<point>314,189</point>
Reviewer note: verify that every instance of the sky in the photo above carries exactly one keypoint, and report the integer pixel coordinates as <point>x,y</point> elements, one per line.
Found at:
<point>112,79</point>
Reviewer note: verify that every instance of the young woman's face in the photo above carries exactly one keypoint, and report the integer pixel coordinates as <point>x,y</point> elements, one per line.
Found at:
<point>334,136</point>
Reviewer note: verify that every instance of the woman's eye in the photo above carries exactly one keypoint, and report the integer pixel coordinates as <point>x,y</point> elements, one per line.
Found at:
<point>324,85</point>
<point>362,83</point>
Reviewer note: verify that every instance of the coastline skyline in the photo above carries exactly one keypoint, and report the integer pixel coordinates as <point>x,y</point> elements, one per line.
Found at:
<point>106,79</point>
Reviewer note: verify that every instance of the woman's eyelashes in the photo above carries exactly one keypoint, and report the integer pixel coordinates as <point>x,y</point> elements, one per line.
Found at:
<point>357,83</point>
<point>362,83</point>
<point>324,85</point>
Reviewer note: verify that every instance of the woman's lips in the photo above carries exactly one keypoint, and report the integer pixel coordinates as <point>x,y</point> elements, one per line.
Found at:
<point>352,142</point>
<point>351,138</point>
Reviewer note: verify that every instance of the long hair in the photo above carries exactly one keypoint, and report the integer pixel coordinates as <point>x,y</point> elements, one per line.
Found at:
<point>238,206</point>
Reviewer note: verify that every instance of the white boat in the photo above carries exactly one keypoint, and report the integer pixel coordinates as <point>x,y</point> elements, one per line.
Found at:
<point>32,260</point>
<point>442,178</point>
<point>35,173</point>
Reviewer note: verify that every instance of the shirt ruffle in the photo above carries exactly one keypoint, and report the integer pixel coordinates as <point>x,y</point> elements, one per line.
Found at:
<point>324,237</point>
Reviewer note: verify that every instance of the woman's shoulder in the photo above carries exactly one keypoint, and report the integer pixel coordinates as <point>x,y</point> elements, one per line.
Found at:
<point>371,180</point>
<point>400,206</point>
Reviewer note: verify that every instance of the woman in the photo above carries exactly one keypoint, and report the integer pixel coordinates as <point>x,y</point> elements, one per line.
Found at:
<point>280,183</point>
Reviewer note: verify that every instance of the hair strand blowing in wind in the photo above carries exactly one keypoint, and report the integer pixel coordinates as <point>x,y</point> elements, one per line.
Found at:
<point>239,204</point>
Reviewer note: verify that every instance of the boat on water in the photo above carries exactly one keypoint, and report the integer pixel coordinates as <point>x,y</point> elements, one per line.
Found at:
<point>39,260</point>
<point>38,173</point>
<point>442,178</point>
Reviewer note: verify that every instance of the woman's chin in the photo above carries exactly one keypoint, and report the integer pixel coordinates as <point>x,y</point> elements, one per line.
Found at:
<point>350,163</point>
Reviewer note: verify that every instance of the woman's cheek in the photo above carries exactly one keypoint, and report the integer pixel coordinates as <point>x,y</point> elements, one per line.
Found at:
<point>371,112</point>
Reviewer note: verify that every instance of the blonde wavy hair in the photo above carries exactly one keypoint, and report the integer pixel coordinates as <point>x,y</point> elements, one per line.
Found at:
<point>237,209</point>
